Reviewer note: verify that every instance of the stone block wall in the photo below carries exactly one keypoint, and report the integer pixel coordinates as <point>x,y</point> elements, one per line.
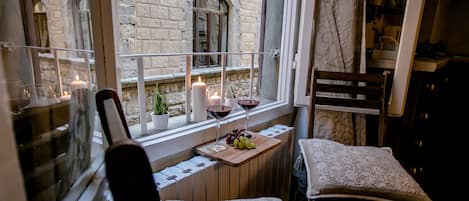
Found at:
<point>249,22</point>
<point>149,26</point>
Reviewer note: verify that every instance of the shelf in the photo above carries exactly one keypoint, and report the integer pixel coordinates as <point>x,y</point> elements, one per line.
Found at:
<point>420,64</point>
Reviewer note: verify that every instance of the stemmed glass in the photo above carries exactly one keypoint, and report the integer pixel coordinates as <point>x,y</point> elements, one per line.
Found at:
<point>218,108</point>
<point>248,98</point>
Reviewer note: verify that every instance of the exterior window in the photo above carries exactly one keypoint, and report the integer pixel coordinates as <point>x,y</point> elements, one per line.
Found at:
<point>40,22</point>
<point>161,41</point>
<point>210,30</point>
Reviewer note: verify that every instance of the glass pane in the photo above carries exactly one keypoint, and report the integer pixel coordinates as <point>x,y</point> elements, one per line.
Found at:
<point>157,33</point>
<point>51,95</point>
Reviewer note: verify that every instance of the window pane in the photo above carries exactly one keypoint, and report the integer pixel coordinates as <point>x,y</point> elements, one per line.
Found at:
<point>159,29</point>
<point>51,95</point>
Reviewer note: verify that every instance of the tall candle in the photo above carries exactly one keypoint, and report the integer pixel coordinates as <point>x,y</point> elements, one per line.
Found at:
<point>199,105</point>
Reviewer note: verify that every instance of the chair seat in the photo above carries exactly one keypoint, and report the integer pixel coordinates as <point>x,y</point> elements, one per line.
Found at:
<point>338,170</point>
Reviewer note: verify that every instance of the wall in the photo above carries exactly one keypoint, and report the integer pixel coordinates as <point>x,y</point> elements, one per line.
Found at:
<point>457,28</point>
<point>446,20</point>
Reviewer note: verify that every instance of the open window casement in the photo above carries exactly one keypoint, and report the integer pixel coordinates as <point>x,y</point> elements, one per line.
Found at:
<point>404,61</point>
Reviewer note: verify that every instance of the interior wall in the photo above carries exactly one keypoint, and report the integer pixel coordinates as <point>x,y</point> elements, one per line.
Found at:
<point>457,28</point>
<point>446,20</point>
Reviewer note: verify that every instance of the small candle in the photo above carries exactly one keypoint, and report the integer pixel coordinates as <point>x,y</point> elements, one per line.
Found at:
<point>199,104</point>
<point>65,97</point>
<point>77,83</point>
<point>214,100</point>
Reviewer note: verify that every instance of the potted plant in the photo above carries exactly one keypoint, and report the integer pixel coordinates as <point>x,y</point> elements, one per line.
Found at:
<point>159,116</point>
<point>230,97</point>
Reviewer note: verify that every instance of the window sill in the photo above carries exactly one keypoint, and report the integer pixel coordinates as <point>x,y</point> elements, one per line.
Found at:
<point>169,142</point>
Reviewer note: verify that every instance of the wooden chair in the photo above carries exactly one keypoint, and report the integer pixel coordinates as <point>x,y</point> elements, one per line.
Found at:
<point>351,92</point>
<point>337,171</point>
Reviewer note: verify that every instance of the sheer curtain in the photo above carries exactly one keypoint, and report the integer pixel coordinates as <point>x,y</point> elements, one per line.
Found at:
<point>336,47</point>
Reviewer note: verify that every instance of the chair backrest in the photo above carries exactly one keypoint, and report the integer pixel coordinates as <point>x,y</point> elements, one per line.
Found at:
<point>128,169</point>
<point>351,92</point>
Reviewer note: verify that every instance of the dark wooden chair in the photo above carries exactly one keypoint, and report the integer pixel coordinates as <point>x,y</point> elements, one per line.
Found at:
<point>341,172</point>
<point>351,92</point>
<point>128,169</point>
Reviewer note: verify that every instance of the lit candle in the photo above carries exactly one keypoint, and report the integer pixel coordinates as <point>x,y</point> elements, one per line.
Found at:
<point>65,97</point>
<point>199,105</point>
<point>214,100</point>
<point>77,83</point>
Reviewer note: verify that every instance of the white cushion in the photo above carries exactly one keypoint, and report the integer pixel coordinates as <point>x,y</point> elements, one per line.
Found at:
<point>366,172</point>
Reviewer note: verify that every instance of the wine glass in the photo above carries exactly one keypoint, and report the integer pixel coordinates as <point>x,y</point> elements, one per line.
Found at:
<point>248,98</point>
<point>218,108</point>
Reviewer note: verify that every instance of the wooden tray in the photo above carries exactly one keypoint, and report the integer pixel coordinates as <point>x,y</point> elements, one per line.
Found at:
<point>236,157</point>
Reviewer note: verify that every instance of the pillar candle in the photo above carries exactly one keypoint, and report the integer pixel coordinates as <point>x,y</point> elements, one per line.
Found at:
<point>199,105</point>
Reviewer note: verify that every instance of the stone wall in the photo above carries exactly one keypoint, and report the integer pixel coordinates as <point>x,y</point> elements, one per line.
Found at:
<point>249,15</point>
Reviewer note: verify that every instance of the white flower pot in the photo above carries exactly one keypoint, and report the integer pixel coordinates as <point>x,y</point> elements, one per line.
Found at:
<point>160,122</point>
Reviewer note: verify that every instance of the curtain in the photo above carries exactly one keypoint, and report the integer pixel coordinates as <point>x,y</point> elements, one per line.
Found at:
<point>336,47</point>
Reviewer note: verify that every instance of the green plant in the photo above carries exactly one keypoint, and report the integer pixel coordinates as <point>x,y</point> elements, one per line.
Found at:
<point>230,93</point>
<point>160,105</point>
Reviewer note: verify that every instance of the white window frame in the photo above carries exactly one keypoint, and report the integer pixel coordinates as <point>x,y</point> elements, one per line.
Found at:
<point>404,61</point>
<point>173,141</point>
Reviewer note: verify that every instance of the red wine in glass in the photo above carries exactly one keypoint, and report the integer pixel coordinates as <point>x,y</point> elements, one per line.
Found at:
<point>247,104</point>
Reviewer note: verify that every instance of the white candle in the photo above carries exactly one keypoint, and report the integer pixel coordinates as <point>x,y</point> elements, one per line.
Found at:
<point>199,106</point>
<point>65,97</point>
<point>77,83</point>
<point>214,100</point>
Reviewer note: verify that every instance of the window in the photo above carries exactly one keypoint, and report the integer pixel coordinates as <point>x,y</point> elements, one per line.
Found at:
<point>40,22</point>
<point>210,30</point>
<point>52,110</point>
<point>157,40</point>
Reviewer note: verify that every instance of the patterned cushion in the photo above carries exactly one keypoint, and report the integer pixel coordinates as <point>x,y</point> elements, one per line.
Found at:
<point>335,169</point>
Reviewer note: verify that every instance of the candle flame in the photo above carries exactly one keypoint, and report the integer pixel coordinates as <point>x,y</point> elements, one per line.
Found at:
<point>216,94</point>
<point>77,77</point>
<point>65,93</point>
<point>200,79</point>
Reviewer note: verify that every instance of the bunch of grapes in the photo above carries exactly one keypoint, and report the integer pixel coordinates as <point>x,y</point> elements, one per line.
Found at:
<point>238,139</point>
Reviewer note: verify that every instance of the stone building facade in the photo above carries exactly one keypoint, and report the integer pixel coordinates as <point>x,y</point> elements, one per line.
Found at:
<point>146,27</point>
